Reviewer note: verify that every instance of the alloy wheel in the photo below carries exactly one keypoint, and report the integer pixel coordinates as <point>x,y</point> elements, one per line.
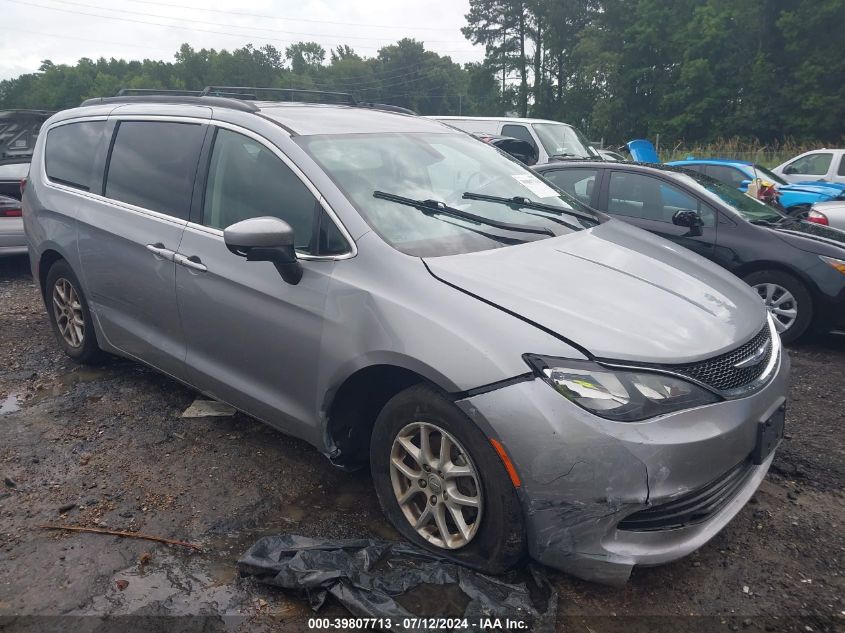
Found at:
<point>436,485</point>
<point>68,312</point>
<point>780,303</point>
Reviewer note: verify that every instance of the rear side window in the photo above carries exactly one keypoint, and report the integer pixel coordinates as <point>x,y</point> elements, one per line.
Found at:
<point>153,165</point>
<point>70,152</point>
<point>841,171</point>
<point>577,182</point>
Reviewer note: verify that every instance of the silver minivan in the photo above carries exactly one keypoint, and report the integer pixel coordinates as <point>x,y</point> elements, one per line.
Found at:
<point>523,374</point>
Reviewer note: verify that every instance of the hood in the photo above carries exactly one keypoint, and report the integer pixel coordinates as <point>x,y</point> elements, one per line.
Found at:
<point>642,151</point>
<point>821,189</point>
<point>617,291</point>
<point>823,183</point>
<point>813,238</point>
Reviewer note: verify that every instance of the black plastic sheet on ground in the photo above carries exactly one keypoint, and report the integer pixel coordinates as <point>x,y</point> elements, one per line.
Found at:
<point>377,579</point>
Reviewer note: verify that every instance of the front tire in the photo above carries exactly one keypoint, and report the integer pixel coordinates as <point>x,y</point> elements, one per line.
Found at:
<point>786,299</point>
<point>67,309</point>
<point>441,484</point>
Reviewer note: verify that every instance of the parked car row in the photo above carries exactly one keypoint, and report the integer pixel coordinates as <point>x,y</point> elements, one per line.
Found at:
<point>796,267</point>
<point>796,199</point>
<point>18,134</point>
<point>524,374</point>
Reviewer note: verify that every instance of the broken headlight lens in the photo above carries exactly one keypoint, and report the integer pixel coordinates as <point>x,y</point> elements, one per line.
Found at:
<point>616,394</point>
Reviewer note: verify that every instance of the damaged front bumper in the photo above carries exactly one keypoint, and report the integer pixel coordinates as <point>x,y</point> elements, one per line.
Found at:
<point>583,475</point>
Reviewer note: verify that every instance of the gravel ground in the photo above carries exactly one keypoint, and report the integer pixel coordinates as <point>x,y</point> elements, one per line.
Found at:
<point>105,446</point>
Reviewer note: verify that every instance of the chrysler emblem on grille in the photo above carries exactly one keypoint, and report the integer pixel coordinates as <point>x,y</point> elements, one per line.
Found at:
<point>755,359</point>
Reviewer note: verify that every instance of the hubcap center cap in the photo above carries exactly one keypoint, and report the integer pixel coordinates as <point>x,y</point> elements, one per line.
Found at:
<point>434,484</point>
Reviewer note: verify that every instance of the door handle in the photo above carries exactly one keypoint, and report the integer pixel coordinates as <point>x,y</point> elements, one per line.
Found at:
<point>159,250</point>
<point>193,262</point>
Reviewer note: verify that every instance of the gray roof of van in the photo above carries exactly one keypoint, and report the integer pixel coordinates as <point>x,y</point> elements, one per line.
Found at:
<point>299,118</point>
<point>307,119</point>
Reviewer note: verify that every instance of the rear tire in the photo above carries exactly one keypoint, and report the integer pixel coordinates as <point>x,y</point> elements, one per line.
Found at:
<point>786,299</point>
<point>67,309</point>
<point>494,536</point>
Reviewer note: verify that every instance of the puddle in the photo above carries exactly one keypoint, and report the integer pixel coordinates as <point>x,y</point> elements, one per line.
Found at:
<point>10,404</point>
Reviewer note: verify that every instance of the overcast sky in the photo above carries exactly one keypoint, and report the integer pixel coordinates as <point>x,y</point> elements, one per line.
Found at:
<point>65,30</point>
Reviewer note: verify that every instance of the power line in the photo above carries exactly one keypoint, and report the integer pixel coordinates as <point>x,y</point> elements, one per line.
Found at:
<point>273,17</point>
<point>173,26</point>
<point>238,26</point>
<point>83,39</point>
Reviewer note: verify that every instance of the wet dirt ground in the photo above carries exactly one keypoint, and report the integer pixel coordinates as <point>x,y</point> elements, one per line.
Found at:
<point>105,447</point>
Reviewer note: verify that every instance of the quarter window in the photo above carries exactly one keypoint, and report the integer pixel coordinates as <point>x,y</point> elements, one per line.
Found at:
<point>577,182</point>
<point>153,165</point>
<point>70,153</point>
<point>841,171</point>
<point>247,180</point>
<point>811,165</point>
<point>640,196</point>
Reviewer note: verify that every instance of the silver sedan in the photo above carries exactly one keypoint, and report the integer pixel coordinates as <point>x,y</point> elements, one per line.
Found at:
<point>831,213</point>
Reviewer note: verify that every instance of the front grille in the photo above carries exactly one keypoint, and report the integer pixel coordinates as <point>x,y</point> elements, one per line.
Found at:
<point>691,508</point>
<point>720,373</point>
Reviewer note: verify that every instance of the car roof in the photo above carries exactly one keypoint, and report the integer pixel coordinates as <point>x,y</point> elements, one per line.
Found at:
<point>297,117</point>
<point>311,118</point>
<point>710,161</point>
<point>505,119</point>
<point>617,165</point>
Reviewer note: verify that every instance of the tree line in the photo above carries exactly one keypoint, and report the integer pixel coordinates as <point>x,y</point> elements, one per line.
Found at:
<point>696,70</point>
<point>404,74</point>
<point>692,70</point>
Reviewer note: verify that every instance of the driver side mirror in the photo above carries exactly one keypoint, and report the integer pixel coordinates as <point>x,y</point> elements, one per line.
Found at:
<point>265,239</point>
<point>690,219</point>
<point>790,169</point>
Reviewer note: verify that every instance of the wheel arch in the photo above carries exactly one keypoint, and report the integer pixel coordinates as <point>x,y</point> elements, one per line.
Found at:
<point>48,257</point>
<point>352,408</point>
<point>757,266</point>
<point>809,284</point>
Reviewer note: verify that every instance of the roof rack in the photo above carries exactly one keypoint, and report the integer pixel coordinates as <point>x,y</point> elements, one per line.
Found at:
<point>239,97</point>
<point>290,93</point>
<point>223,102</point>
<point>386,107</point>
<point>137,92</point>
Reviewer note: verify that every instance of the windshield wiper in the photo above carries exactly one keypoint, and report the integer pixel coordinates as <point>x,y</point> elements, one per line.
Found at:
<point>430,207</point>
<point>518,202</point>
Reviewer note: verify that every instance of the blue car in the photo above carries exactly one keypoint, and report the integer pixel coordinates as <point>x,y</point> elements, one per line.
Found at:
<point>795,198</point>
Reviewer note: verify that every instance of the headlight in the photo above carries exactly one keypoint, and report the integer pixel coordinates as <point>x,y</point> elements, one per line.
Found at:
<point>620,395</point>
<point>838,264</point>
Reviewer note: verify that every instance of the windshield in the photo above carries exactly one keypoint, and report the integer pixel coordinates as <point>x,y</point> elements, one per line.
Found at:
<point>767,174</point>
<point>564,141</point>
<point>749,208</point>
<point>376,170</point>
